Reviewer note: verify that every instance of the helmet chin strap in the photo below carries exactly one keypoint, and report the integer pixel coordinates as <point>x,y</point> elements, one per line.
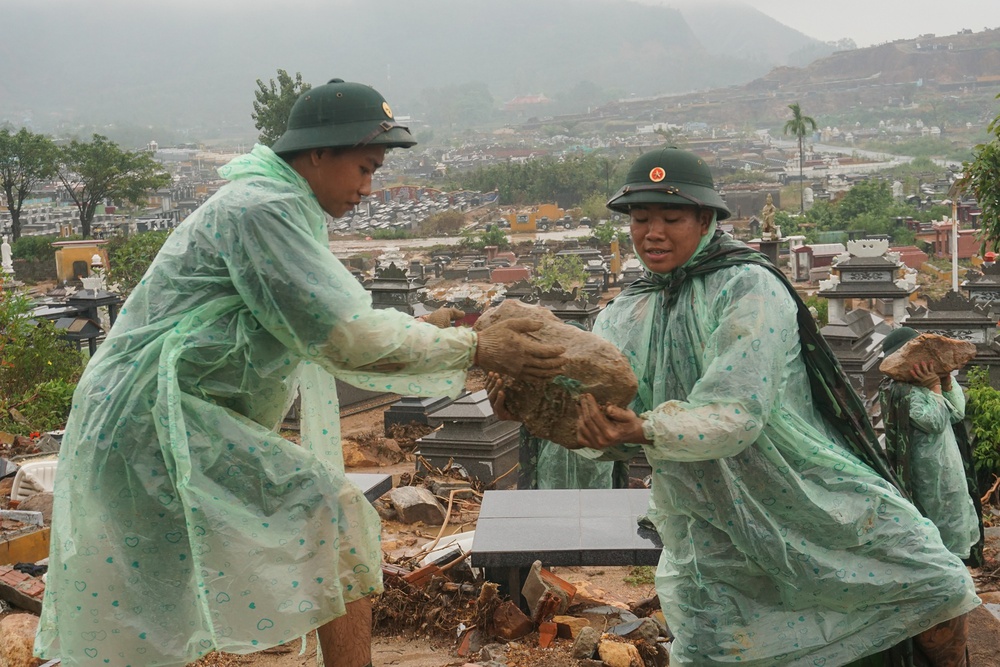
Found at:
<point>668,189</point>
<point>381,128</point>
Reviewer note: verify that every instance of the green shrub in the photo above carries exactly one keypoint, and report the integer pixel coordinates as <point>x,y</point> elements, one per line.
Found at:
<point>822,307</point>
<point>36,247</point>
<point>130,256</point>
<point>641,575</point>
<point>48,407</point>
<point>391,234</point>
<point>606,232</point>
<point>983,410</point>
<point>566,270</point>
<point>492,235</point>
<point>38,369</point>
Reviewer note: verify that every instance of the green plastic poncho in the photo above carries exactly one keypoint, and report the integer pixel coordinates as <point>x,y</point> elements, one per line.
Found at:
<point>544,464</point>
<point>781,547</point>
<point>921,442</point>
<point>182,522</point>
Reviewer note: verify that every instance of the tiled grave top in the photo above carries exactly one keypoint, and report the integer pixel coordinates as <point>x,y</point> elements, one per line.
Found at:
<point>564,527</point>
<point>469,407</point>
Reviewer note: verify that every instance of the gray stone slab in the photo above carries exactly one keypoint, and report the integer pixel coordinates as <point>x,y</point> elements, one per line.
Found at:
<point>564,527</point>
<point>506,542</point>
<point>638,501</point>
<point>603,503</point>
<point>373,485</point>
<point>530,504</point>
<point>606,541</point>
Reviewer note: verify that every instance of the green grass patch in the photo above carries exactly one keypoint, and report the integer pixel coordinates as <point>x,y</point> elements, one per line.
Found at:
<point>641,575</point>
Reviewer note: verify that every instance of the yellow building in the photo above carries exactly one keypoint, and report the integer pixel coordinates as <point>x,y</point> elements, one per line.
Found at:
<point>73,257</point>
<point>526,220</point>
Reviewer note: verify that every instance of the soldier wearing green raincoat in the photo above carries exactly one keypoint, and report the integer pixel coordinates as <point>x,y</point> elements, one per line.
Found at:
<point>928,448</point>
<point>785,539</point>
<point>183,523</point>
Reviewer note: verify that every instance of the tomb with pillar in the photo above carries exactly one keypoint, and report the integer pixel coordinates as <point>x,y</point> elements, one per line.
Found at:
<point>393,288</point>
<point>576,306</point>
<point>868,271</point>
<point>471,436</point>
<point>957,317</point>
<point>856,341</point>
<point>983,284</point>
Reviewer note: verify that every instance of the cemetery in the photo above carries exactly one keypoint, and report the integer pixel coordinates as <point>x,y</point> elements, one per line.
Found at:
<point>457,462</point>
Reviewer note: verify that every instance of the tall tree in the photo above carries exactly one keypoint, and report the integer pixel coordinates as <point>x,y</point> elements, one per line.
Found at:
<point>799,126</point>
<point>273,104</point>
<point>101,171</point>
<point>26,159</point>
<point>869,197</point>
<point>982,176</point>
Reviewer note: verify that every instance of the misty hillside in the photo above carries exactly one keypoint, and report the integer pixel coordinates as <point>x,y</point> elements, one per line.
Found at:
<point>742,32</point>
<point>948,60</point>
<point>195,67</point>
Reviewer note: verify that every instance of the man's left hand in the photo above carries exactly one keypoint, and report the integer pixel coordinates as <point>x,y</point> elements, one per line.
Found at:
<point>600,428</point>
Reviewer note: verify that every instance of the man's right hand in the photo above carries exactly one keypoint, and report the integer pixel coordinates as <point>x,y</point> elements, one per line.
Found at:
<point>924,375</point>
<point>507,348</point>
<point>495,393</point>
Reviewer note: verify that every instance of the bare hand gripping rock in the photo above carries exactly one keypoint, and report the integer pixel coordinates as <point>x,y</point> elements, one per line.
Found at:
<point>591,365</point>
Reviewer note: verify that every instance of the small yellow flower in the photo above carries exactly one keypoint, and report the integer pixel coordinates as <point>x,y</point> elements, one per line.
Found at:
<point>49,363</point>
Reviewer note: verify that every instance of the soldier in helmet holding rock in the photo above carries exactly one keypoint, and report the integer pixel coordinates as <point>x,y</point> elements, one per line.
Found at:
<point>183,523</point>
<point>786,541</point>
<point>928,447</point>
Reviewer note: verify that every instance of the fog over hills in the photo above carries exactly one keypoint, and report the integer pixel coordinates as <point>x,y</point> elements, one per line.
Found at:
<point>194,66</point>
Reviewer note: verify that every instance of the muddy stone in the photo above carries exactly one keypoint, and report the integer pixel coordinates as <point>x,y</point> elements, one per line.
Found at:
<point>944,354</point>
<point>17,636</point>
<point>593,365</point>
<point>618,654</point>
<point>415,503</point>
<point>586,643</point>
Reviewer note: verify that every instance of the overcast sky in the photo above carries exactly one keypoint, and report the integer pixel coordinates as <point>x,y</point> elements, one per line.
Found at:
<point>870,22</point>
<point>867,22</point>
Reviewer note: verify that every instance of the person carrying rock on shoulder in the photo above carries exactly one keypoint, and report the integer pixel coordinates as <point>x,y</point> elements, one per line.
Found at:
<point>183,523</point>
<point>928,447</point>
<point>786,539</point>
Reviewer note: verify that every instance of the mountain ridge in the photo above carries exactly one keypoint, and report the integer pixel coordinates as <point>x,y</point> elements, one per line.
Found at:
<point>68,66</point>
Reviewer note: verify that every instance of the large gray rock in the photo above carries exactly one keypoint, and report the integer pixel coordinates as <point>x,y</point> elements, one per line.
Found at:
<point>415,503</point>
<point>586,643</point>
<point>38,502</point>
<point>944,354</point>
<point>593,366</point>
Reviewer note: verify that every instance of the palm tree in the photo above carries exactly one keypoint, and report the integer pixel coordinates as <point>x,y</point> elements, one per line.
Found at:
<point>799,126</point>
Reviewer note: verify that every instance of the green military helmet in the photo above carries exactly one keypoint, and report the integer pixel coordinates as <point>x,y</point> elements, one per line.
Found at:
<point>669,176</point>
<point>341,114</point>
<point>897,338</point>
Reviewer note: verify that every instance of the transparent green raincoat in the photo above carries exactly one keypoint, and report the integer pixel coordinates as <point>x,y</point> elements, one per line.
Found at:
<point>936,472</point>
<point>544,464</point>
<point>182,522</point>
<point>780,546</point>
